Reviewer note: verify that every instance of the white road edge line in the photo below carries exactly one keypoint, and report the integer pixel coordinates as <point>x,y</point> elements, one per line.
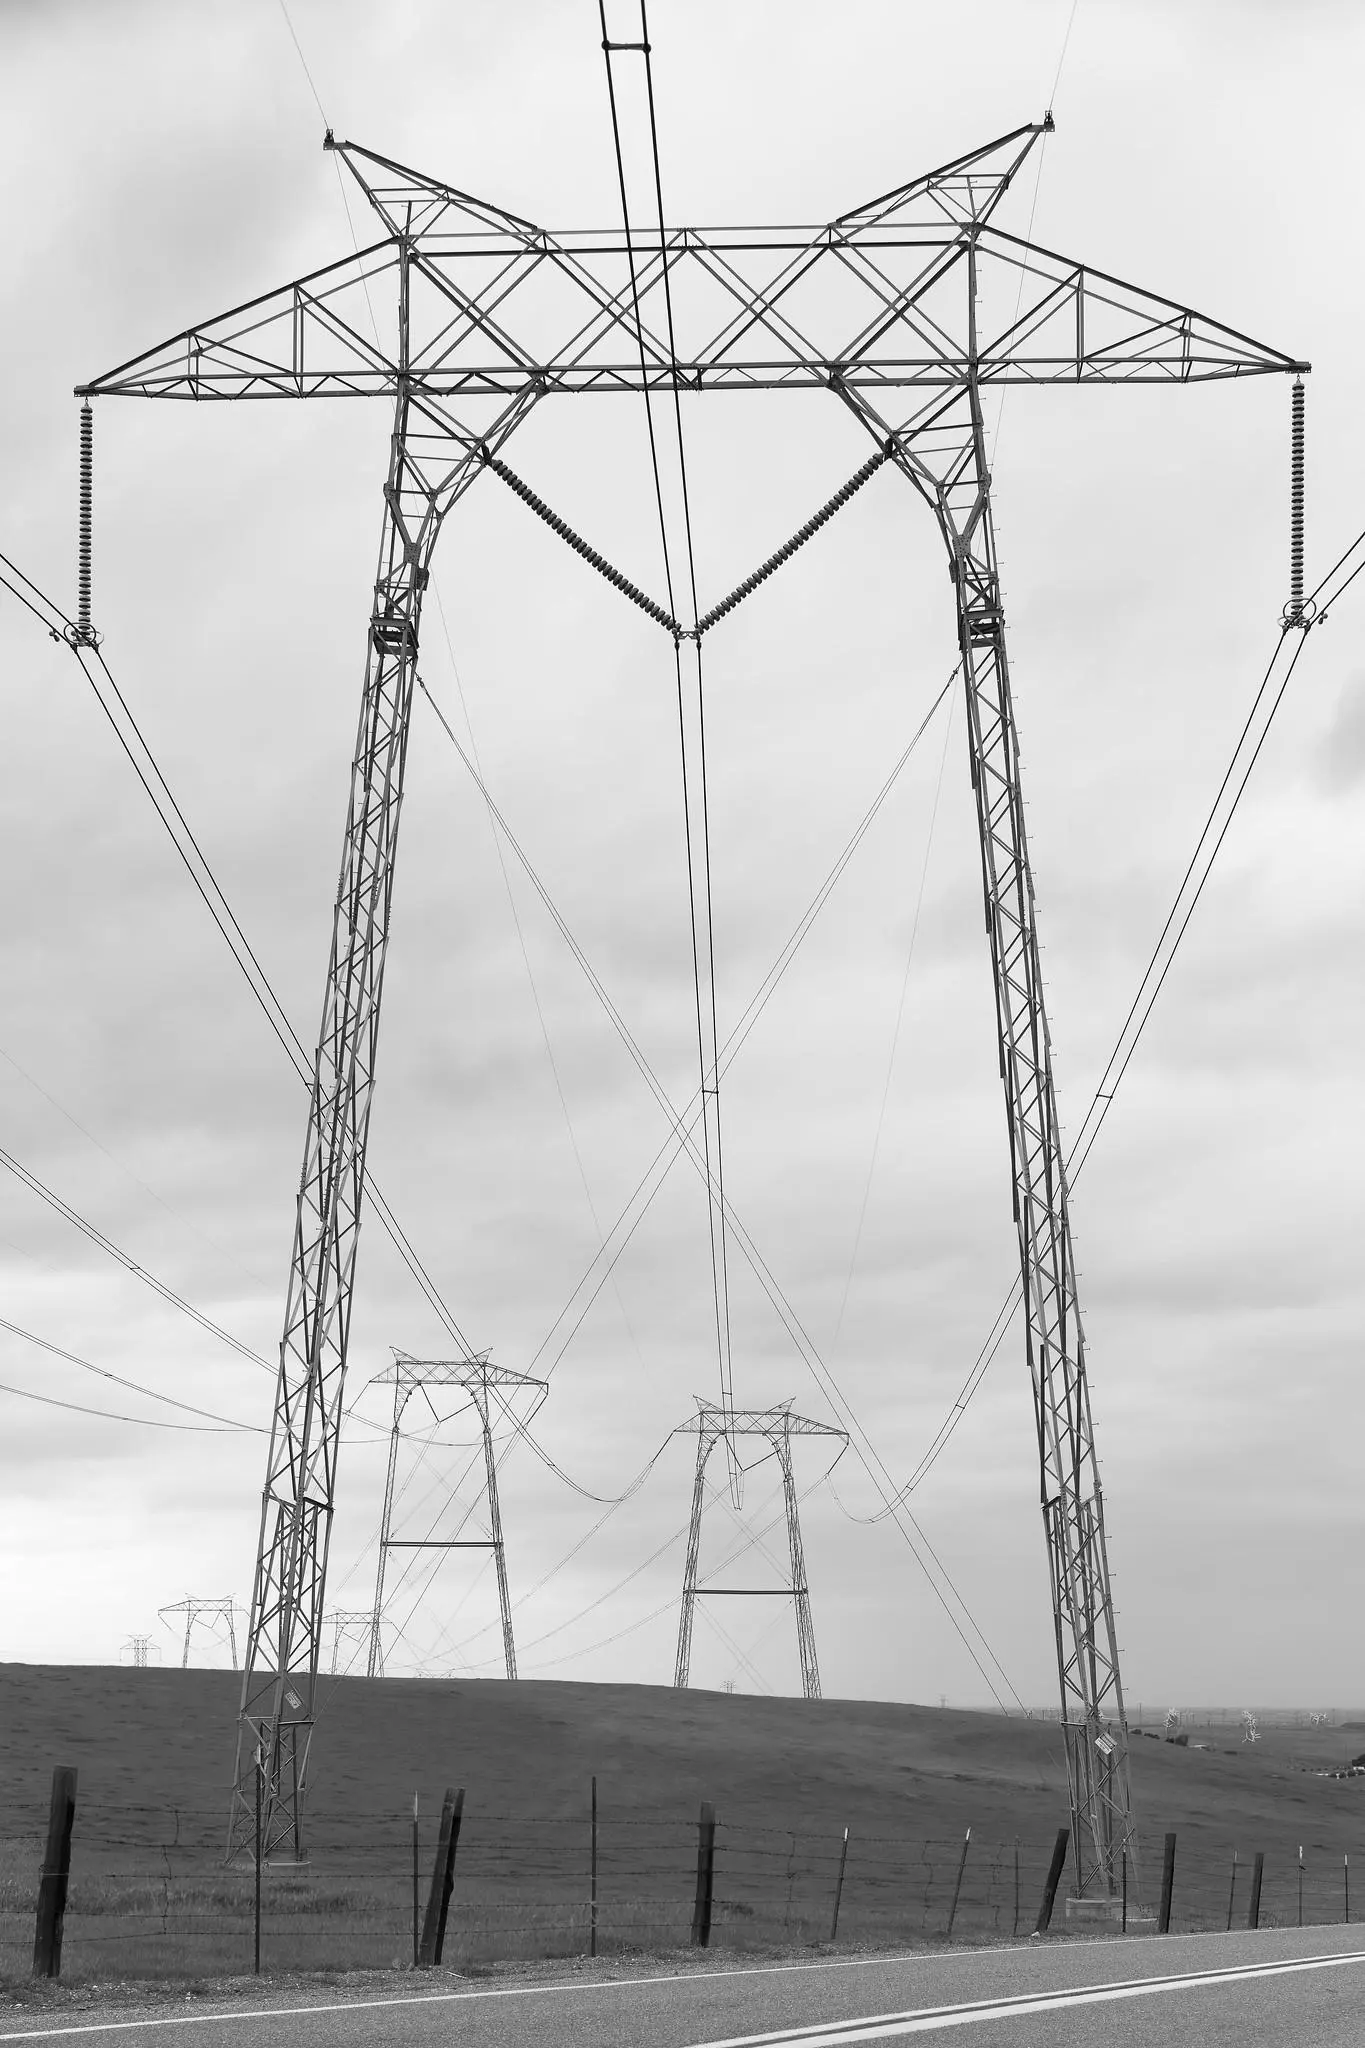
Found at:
<point>284,2012</point>
<point>239,2014</point>
<point>887,2026</point>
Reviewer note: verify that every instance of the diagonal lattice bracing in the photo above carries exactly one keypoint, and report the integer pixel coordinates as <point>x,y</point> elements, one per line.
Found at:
<point>464,317</point>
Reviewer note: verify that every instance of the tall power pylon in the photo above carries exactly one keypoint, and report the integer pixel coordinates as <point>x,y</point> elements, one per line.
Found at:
<point>909,311</point>
<point>485,1387</point>
<point>775,1427</point>
<point>196,1610</point>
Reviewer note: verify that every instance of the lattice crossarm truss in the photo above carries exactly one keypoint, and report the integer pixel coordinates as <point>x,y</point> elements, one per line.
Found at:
<point>315,337</point>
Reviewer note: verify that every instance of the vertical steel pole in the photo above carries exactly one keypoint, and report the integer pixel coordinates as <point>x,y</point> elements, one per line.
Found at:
<point>957,1883</point>
<point>256,1906</point>
<point>839,1887</point>
<point>683,1665</point>
<point>592,1900</point>
<point>416,1883</point>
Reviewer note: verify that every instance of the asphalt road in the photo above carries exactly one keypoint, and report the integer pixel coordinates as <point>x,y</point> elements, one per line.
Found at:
<point>1305,1987</point>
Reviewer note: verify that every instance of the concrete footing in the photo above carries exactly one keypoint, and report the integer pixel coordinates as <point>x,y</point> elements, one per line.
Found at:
<point>1106,1915</point>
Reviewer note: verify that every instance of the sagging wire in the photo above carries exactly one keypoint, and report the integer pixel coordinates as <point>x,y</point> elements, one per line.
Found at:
<point>682,1124</point>
<point>117,1379</point>
<point>1140,1009</point>
<point>138,752</point>
<point>715,1174</point>
<point>681,1138</point>
<point>896,1032</point>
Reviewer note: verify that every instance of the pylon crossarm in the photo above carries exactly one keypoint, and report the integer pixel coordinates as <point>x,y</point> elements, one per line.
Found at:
<point>1082,325</point>
<point>311,338</point>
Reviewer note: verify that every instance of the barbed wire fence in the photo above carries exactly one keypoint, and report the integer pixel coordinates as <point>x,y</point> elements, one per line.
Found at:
<point>151,1896</point>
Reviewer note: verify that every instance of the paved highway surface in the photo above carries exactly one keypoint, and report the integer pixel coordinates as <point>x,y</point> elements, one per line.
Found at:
<point>1302,1987</point>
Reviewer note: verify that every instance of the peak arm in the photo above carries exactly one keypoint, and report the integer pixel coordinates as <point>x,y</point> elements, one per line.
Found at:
<point>1081,325</point>
<point>309,339</point>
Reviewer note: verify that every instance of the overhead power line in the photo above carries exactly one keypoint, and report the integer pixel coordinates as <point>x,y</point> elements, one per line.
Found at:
<point>133,1386</point>
<point>192,857</point>
<point>130,1265</point>
<point>1192,885</point>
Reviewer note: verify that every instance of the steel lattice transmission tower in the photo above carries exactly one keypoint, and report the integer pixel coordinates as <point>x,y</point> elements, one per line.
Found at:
<point>910,312</point>
<point>485,1387</point>
<point>776,1427</point>
<point>196,1610</point>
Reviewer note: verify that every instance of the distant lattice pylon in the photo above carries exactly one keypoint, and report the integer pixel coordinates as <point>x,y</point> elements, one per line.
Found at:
<point>196,1610</point>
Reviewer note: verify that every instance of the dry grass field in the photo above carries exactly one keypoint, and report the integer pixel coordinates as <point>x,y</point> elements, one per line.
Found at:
<point>150,1894</point>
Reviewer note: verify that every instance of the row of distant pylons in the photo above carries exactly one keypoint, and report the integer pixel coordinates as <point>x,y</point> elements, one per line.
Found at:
<point>496,1394</point>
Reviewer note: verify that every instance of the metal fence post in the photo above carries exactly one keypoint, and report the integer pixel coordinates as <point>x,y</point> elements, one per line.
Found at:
<point>256,1898</point>
<point>706,1872</point>
<point>1163,1925</point>
<point>416,1886</point>
<point>839,1888</point>
<point>56,1872</point>
<point>1232,1887</point>
<point>1254,1910</point>
<point>957,1885</point>
<point>592,1902</point>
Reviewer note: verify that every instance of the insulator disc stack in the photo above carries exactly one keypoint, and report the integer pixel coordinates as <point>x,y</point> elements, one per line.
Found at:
<point>1294,612</point>
<point>87,483</point>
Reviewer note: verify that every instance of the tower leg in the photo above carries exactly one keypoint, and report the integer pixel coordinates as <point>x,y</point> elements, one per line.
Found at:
<point>705,1444</point>
<point>509,1648</point>
<point>375,1666</point>
<point>281,1665</point>
<point>1073,1515</point>
<point>805,1627</point>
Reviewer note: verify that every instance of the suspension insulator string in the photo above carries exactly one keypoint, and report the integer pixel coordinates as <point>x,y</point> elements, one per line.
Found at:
<point>83,633</point>
<point>1295,613</point>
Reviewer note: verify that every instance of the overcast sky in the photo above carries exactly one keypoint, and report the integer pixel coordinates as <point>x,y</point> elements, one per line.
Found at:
<point>161,162</point>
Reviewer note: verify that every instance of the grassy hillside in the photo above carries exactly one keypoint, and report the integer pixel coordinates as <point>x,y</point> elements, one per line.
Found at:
<point>154,1753</point>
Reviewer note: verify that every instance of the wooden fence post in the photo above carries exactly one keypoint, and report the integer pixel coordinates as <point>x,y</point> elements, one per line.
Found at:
<point>256,1879</point>
<point>416,1888</point>
<point>1254,1910</point>
<point>839,1888</point>
<point>1346,1883</point>
<point>1123,1926</point>
<point>1163,1925</point>
<point>1015,1928</point>
<point>957,1887</point>
<point>1054,1878</point>
<point>442,1879</point>
<point>706,1873</point>
<point>1300,1884</point>
<point>56,1871</point>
